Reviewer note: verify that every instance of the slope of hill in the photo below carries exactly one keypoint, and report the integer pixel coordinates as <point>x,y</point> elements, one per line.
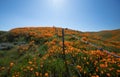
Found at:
<point>110,35</point>
<point>107,39</point>
<point>38,52</point>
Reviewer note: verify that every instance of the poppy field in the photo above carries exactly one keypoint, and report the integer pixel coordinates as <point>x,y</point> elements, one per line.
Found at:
<point>43,55</point>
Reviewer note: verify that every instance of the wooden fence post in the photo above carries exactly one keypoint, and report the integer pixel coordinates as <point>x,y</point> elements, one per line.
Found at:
<point>64,56</point>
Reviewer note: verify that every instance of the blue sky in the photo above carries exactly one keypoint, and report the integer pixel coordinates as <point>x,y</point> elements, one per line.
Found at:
<point>83,15</point>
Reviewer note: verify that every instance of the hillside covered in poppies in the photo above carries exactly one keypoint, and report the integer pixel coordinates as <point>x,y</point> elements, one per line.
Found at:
<point>40,52</point>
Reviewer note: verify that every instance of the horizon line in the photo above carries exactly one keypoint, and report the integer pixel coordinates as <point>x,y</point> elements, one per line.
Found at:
<point>59,27</point>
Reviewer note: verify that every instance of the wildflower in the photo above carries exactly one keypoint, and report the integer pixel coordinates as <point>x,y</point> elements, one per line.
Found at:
<point>110,69</point>
<point>78,66</point>
<point>87,62</point>
<point>31,69</point>
<point>84,72</point>
<point>96,70</point>
<point>84,58</point>
<point>97,76</point>
<point>30,62</point>
<point>46,74</point>
<point>102,72</point>
<point>11,64</point>
<point>108,74</point>
<point>37,73</point>
<point>103,65</point>
<point>118,71</point>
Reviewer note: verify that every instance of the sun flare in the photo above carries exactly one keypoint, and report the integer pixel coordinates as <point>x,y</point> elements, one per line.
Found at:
<point>58,3</point>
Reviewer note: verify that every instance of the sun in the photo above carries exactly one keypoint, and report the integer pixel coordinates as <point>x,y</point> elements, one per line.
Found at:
<point>57,6</point>
<point>58,3</point>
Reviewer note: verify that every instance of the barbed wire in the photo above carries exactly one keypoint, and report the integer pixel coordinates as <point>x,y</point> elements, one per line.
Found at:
<point>101,49</point>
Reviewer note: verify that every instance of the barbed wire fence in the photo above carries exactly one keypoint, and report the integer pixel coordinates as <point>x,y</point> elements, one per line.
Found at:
<point>86,42</point>
<point>101,49</point>
<point>64,57</point>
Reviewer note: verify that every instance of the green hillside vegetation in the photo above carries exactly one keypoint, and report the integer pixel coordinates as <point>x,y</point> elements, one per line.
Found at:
<point>38,52</point>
